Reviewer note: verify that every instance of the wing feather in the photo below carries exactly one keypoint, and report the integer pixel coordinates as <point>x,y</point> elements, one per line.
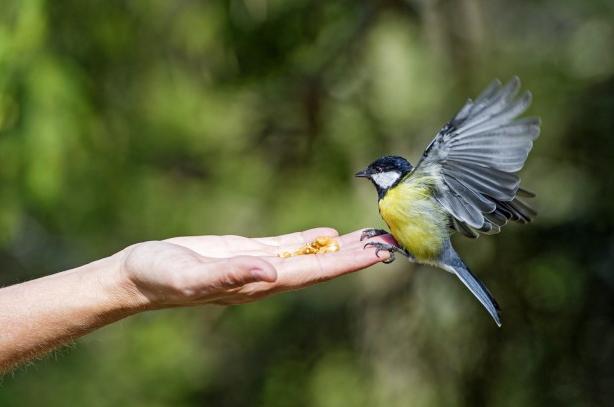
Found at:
<point>478,200</point>
<point>489,107</point>
<point>463,228</point>
<point>476,157</point>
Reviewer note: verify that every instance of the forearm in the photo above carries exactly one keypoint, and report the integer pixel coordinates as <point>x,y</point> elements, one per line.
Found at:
<point>39,315</point>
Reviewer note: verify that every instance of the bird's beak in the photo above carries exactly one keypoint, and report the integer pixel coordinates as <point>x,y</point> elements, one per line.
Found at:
<point>362,174</point>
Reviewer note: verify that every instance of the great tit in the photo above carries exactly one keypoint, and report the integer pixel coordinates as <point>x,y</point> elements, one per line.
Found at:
<point>466,181</point>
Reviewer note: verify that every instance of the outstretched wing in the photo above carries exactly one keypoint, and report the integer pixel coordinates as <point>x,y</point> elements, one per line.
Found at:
<point>476,156</point>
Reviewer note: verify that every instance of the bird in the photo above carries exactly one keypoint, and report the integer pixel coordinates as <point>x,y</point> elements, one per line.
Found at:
<point>465,182</point>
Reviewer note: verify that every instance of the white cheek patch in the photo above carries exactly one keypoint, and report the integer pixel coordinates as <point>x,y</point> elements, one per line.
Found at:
<point>385,179</point>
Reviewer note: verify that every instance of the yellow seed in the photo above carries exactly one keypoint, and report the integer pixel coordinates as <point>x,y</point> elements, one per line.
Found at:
<point>323,241</point>
<point>333,247</point>
<point>322,244</point>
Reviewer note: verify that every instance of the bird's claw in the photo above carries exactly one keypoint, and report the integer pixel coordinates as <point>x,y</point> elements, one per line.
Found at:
<point>391,249</point>
<point>369,233</point>
<point>389,259</point>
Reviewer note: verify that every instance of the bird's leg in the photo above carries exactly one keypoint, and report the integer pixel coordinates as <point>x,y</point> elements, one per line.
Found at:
<point>369,233</point>
<point>390,248</point>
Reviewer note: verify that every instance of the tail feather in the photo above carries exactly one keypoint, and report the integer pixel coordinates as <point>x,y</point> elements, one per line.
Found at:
<point>478,289</point>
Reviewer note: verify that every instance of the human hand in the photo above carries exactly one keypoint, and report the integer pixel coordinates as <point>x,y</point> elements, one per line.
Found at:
<point>175,272</point>
<point>234,269</point>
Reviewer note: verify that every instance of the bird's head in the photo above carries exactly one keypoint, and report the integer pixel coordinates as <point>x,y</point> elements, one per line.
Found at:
<point>385,172</point>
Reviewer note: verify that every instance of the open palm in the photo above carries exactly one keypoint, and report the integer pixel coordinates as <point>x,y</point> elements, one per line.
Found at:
<point>236,269</point>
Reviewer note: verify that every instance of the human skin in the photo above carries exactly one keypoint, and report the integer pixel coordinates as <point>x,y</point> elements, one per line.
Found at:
<point>39,315</point>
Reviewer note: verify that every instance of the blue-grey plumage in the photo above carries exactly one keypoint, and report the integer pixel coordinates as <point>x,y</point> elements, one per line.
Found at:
<point>466,181</point>
<point>451,262</point>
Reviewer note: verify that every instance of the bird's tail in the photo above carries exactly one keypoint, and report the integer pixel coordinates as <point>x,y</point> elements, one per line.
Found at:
<point>455,265</point>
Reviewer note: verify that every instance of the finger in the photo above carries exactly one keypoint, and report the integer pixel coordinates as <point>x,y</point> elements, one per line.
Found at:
<point>218,246</point>
<point>308,236</point>
<point>297,238</point>
<point>357,243</point>
<point>352,237</point>
<point>238,271</point>
<point>301,271</point>
<point>346,242</point>
<point>294,240</point>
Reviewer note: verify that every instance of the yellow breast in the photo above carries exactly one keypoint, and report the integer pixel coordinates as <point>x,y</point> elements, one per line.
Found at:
<point>415,219</point>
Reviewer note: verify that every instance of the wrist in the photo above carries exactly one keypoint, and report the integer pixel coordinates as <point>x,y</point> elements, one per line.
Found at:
<point>117,286</point>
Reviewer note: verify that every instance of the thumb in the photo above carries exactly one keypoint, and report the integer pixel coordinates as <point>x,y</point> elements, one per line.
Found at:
<point>241,270</point>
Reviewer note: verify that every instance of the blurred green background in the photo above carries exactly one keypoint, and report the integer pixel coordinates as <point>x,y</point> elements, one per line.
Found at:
<point>124,121</point>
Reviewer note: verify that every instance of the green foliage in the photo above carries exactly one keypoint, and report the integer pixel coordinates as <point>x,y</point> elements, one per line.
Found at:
<point>139,120</point>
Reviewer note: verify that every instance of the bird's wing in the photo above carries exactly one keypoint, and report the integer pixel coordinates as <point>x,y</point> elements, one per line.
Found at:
<point>476,156</point>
